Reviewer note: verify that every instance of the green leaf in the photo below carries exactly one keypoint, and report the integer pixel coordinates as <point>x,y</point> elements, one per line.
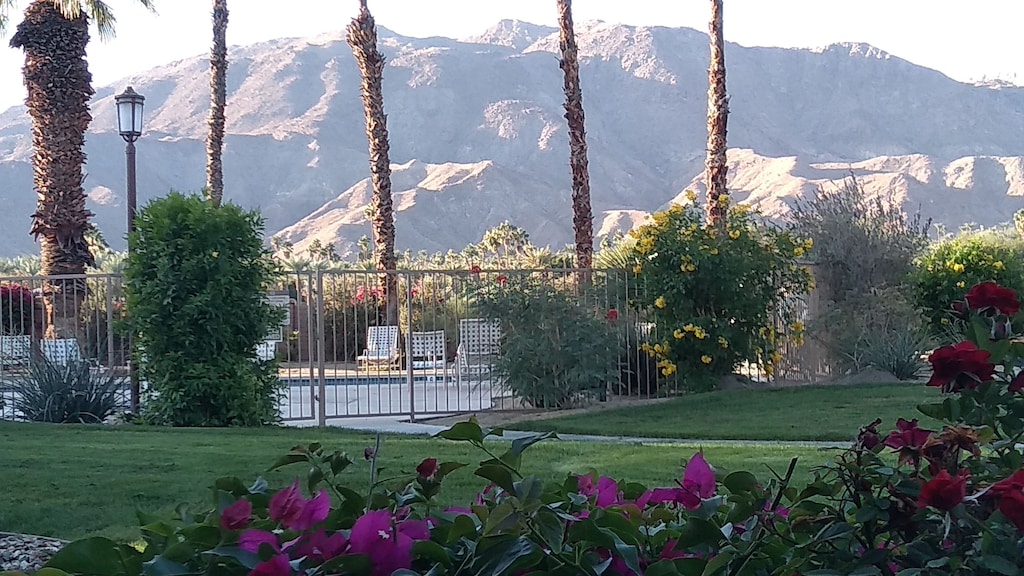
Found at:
<point>432,551</point>
<point>161,566</point>
<point>662,568</point>
<point>462,527</point>
<point>717,563</point>
<point>1000,565</point>
<point>740,482</point>
<point>244,557</point>
<point>698,531</point>
<point>287,460</point>
<point>468,431</point>
<point>500,475</point>
<point>95,557</point>
<point>519,445</point>
<point>447,468</point>
<point>339,462</point>
<point>936,411</point>
<point>551,528</point>
<point>507,555</point>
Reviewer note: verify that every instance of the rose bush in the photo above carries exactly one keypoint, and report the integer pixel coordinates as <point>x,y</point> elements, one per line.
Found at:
<point>913,501</point>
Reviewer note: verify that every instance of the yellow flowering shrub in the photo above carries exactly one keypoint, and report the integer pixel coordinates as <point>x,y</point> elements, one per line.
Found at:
<point>716,296</point>
<point>949,266</point>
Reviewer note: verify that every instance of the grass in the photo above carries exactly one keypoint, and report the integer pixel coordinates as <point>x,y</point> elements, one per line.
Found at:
<point>824,413</point>
<point>73,481</point>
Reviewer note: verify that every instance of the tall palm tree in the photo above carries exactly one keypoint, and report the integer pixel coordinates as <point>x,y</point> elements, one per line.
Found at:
<point>218,96</point>
<point>582,215</point>
<point>362,38</point>
<point>718,115</point>
<point>54,35</point>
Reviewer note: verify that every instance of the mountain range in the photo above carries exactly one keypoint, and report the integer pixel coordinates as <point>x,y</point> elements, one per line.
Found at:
<point>477,134</point>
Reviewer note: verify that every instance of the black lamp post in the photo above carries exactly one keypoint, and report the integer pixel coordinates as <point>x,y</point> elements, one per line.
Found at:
<point>129,125</point>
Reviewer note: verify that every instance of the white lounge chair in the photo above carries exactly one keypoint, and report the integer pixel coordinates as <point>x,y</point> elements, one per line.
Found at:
<point>15,349</point>
<point>265,351</point>
<point>479,343</point>
<point>381,346</point>
<point>61,351</point>
<point>429,350</point>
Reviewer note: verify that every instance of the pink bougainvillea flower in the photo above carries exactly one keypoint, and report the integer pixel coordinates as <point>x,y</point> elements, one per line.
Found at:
<point>251,540</point>
<point>459,511</point>
<point>908,440</point>
<point>780,511</point>
<point>427,469</point>
<point>277,566</point>
<point>606,490</point>
<point>962,366</point>
<point>319,547</point>
<point>698,485</point>
<point>295,512</point>
<point>389,547</point>
<point>236,516</point>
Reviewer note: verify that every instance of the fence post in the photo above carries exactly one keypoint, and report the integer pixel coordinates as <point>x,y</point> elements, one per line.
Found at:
<point>408,347</point>
<point>320,350</point>
<point>310,335</point>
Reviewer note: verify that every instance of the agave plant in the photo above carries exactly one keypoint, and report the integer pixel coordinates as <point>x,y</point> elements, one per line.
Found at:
<point>61,393</point>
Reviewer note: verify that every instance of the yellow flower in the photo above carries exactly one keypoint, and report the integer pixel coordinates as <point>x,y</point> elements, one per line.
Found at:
<point>691,195</point>
<point>945,321</point>
<point>723,200</point>
<point>668,370</point>
<point>723,342</point>
<point>678,334</point>
<point>705,359</point>
<point>735,234</point>
<point>798,251</point>
<point>714,252</point>
<point>689,328</point>
<point>637,269</point>
<point>645,245</point>
<point>808,244</point>
<point>961,284</point>
<point>797,327</point>
<point>645,347</point>
<point>687,267</point>
<point>700,333</point>
<point>704,247</point>
<point>657,349</point>
<point>660,302</point>
<point>998,265</point>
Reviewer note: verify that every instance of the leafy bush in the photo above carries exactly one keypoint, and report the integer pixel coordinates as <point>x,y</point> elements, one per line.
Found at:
<point>555,352</point>
<point>863,253</point>
<point>944,271</point>
<point>721,296</point>
<point>66,393</point>
<point>195,283</point>
<point>17,309</point>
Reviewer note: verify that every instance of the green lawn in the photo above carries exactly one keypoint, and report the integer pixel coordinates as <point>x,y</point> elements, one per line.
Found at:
<point>801,413</point>
<point>72,481</point>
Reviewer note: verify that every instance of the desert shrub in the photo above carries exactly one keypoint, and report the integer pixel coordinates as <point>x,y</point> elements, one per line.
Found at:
<point>71,393</point>
<point>555,352</point>
<point>195,285</point>
<point>944,271</point>
<point>17,309</point>
<point>863,253</point>
<point>717,297</point>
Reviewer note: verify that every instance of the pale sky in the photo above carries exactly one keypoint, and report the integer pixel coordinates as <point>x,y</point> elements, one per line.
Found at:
<point>965,40</point>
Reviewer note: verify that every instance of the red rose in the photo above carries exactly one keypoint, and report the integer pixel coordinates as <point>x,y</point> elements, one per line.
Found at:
<point>612,315</point>
<point>501,279</point>
<point>475,270</point>
<point>427,468</point>
<point>960,366</point>
<point>1012,506</point>
<point>1017,384</point>
<point>989,296</point>
<point>943,491</point>
<point>908,440</point>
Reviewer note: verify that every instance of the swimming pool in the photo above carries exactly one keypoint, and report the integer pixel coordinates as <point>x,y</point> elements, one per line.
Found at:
<point>369,381</point>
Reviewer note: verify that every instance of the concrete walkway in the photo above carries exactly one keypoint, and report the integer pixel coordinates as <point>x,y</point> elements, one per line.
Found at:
<point>393,425</point>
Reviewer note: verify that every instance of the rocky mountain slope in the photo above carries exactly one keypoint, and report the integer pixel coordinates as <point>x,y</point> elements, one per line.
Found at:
<point>478,135</point>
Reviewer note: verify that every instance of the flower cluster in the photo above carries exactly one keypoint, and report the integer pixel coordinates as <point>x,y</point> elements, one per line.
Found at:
<point>17,309</point>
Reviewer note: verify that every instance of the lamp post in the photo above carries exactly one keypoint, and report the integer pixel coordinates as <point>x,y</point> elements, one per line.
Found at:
<point>129,125</point>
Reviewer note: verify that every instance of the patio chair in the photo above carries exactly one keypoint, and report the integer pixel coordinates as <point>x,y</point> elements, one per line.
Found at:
<point>381,346</point>
<point>429,351</point>
<point>479,343</point>
<point>61,351</point>
<point>15,350</point>
<point>266,351</point>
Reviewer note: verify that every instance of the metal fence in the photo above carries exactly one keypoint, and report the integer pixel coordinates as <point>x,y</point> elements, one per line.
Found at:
<point>344,351</point>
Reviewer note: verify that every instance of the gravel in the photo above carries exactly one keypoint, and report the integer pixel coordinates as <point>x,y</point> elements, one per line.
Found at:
<point>25,553</point>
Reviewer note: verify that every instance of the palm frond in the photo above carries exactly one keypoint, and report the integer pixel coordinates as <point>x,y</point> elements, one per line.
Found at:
<point>5,10</point>
<point>102,16</point>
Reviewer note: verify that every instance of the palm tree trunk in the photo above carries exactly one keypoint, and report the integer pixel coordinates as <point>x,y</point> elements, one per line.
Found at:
<point>218,97</point>
<point>583,218</point>
<point>59,87</point>
<point>362,38</point>
<point>718,114</point>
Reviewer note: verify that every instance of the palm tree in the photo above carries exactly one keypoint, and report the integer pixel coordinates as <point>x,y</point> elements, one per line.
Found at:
<point>362,38</point>
<point>54,35</point>
<point>718,115</point>
<point>218,95</point>
<point>583,218</point>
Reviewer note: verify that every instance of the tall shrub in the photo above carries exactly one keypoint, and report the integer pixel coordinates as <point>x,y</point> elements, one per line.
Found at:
<point>717,295</point>
<point>195,282</point>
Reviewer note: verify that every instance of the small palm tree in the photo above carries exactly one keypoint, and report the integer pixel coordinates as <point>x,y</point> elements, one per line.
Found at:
<point>583,218</point>
<point>218,98</point>
<point>362,38</point>
<point>54,35</point>
<point>716,167</point>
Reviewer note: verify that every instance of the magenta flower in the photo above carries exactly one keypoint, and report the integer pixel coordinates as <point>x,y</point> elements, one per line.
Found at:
<point>236,516</point>
<point>607,490</point>
<point>908,440</point>
<point>389,547</point>
<point>251,540</point>
<point>276,566</point>
<point>289,508</point>
<point>698,485</point>
<point>319,547</point>
<point>427,469</point>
